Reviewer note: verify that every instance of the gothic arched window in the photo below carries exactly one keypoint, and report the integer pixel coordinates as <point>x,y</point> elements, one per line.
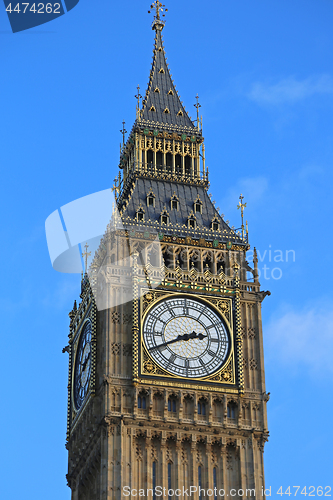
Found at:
<point>191,222</point>
<point>231,411</point>
<point>202,408</point>
<point>198,206</point>
<point>150,156</point>
<point>188,165</point>
<point>150,199</point>
<point>172,405</point>
<point>142,402</point>
<point>140,214</point>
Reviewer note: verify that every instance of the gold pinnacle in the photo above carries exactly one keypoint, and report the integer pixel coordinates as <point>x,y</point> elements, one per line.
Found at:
<point>197,105</point>
<point>138,96</point>
<point>242,205</point>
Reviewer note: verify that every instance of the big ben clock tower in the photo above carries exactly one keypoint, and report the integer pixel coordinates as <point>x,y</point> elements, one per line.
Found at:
<point>166,370</point>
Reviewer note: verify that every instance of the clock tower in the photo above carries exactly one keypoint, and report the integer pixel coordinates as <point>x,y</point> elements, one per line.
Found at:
<point>166,371</point>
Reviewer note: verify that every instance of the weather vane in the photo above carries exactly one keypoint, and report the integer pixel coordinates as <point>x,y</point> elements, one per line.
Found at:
<point>197,105</point>
<point>159,7</point>
<point>85,255</point>
<point>242,205</point>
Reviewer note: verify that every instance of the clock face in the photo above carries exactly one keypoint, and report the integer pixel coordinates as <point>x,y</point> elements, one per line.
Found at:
<point>82,366</point>
<point>186,337</point>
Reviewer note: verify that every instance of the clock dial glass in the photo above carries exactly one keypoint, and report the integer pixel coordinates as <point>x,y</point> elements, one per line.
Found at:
<point>186,337</point>
<point>82,366</point>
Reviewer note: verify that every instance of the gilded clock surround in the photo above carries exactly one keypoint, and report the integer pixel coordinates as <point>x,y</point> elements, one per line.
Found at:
<point>150,370</point>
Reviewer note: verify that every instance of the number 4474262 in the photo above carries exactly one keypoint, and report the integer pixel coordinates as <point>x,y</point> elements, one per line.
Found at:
<point>310,492</point>
<point>27,7</point>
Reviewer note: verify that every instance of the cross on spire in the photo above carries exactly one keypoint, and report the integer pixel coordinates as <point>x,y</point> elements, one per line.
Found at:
<point>197,105</point>
<point>159,7</point>
<point>85,256</point>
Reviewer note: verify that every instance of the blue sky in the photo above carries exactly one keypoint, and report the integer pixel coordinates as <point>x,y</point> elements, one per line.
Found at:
<point>263,71</point>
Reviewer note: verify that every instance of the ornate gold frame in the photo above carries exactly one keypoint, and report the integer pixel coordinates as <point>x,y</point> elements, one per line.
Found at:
<point>149,372</point>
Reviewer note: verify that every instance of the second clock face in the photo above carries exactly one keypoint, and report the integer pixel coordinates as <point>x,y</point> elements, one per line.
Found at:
<point>186,337</point>
<point>82,369</point>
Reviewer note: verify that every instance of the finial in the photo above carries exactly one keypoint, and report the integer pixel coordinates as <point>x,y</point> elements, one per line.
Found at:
<point>85,255</point>
<point>158,23</point>
<point>197,105</point>
<point>123,131</point>
<point>242,205</point>
<point>116,186</point>
<point>138,96</point>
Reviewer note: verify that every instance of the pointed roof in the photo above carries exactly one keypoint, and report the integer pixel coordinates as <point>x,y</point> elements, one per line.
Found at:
<point>162,104</point>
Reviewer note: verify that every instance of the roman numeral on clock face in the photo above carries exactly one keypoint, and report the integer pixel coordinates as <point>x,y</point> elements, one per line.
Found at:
<point>172,358</point>
<point>203,364</point>
<point>171,312</point>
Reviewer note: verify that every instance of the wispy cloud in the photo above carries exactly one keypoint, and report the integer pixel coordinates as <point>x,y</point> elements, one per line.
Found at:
<point>253,189</point>
<point>303,338</point>
<point>290,90</point>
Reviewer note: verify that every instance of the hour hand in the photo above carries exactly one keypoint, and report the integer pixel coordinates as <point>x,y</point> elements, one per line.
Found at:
<point>186,336</point>
<point>85,362</point>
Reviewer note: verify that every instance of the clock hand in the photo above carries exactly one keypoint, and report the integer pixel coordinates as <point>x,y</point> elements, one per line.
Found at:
<point>85,362</point>
<point>180,337</point>
<point>186,336</point>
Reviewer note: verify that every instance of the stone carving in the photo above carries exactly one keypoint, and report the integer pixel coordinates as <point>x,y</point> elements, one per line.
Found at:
<point>115,347</point>
<point>115,316</point>
<point>226,375</point>
<point>253,364</point>
<point>251,333</point>
<point>138,452</point>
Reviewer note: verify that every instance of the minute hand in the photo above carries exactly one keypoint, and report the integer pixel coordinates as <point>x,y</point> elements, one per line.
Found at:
<point>186,336</point>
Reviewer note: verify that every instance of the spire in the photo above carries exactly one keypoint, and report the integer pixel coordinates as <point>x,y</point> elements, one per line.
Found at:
<point>162,105</point>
